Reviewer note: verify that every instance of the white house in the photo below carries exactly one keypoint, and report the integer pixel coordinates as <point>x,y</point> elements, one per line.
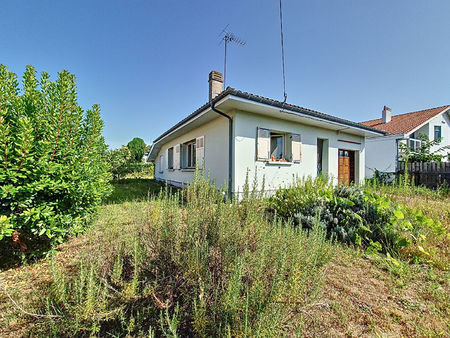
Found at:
<point>382,153</point>
<point>236,133</point>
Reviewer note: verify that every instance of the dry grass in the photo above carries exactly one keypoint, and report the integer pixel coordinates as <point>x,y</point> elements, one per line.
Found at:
<point>361,296</point>
<point>364,299</point>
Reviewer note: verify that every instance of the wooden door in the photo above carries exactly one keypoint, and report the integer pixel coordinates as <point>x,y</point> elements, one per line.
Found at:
<point>346,166</point>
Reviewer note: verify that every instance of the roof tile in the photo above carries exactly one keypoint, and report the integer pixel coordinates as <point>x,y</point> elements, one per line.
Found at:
<point>405,123</point>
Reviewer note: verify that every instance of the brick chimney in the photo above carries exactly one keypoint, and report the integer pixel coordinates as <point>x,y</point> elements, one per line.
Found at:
<point>215,84</point>
<point>386,115</point>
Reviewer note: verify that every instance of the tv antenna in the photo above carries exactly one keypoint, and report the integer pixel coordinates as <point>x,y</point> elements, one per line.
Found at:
<point>227,37</point>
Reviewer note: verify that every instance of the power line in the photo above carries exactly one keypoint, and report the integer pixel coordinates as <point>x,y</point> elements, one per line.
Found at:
<point>282,53</point>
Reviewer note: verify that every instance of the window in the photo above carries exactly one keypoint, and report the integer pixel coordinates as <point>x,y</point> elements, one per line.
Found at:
<point>189,155</point>
<point>437,132</point>
<point>170,158</point>
<point>276,146</point>
<point>414,144</point>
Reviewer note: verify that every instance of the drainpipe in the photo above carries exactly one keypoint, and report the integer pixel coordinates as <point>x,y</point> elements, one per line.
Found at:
<point>230,149</point>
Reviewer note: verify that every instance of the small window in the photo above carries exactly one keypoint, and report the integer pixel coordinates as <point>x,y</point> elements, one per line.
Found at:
<point>170,158</point>
<point>277,148</point>
<point>437,132</point>
<point>189,155</point>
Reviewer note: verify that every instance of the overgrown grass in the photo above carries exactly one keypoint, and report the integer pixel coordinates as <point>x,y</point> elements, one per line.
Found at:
<point>434,204</point>
<point>133,189</point>
<point>188,264</point>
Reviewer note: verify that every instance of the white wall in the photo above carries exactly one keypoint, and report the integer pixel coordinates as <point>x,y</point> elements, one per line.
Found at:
<point>216,154</point>
<point>443,121</point>
<point>276,175</point>
<point>381,154</point>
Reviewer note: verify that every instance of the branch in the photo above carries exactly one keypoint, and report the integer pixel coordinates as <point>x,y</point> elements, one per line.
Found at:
<point>21,309</point>
<point>57,136</point>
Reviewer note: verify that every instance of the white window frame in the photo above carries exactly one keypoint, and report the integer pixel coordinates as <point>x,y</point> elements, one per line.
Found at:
<point>189,147</point>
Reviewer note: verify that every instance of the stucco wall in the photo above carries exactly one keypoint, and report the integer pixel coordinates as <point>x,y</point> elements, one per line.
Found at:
<point>216,154</point>
<point>443,121</point>
<point>283,175</point>
<point>381,154</point>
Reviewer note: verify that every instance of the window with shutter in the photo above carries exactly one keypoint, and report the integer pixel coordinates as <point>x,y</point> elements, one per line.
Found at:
<point>200,151</point>
<point>263,144</point>
<point>296,147</point>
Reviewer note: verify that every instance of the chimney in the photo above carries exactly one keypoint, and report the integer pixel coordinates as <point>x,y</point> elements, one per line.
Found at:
<point>386,115</point>
<point>215,84</point>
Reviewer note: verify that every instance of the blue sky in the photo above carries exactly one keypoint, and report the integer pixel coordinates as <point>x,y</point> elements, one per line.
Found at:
<point>147,62</point>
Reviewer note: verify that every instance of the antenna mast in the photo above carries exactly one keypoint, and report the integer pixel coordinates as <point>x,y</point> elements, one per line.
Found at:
<point>228,37</point>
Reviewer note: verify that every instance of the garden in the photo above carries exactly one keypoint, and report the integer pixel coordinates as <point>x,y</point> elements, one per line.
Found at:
<point>91,245</point>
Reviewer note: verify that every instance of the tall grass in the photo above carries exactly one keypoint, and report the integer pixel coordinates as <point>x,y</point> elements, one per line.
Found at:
<point>190,263</point>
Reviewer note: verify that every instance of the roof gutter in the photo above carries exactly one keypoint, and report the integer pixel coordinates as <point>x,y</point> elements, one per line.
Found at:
<point>230,149</point>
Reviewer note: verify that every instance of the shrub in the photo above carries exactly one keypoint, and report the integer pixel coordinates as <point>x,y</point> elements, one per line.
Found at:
<point>51,157</point>
<point>191,264</point>
<point>119,160</point>
<point>352,215</point>
<point>137,148</point>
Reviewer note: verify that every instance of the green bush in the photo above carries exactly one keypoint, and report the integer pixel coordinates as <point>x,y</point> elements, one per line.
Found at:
<point>122,164</point>
<point>351,214</point>
<point>190,264</point>
<point>118,160</point>
<point>52,168</point>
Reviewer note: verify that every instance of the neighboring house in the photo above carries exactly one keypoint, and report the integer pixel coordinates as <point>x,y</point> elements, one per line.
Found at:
<point>382,153</point>
<point>237,133</point>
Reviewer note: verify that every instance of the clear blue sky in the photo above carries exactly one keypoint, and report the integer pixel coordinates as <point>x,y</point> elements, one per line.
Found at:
<point>147,62</point>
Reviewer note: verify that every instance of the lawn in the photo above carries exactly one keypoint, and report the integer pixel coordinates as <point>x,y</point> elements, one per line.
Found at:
<point>144,258</point>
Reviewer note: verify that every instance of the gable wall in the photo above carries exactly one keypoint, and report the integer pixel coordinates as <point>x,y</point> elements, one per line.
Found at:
<point>275,175</point>
<point>216,154</point>
<point>381,154</point>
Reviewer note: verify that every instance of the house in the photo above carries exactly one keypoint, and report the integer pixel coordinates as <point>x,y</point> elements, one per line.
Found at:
<point>383,152</point>
<point>237,133</point>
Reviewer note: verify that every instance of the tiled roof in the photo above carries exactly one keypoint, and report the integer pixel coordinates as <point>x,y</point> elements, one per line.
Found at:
<point>271,102</point>
<point>405,123</point>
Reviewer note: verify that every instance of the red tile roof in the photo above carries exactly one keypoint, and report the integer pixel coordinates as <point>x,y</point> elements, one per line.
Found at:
<point>405,123</point>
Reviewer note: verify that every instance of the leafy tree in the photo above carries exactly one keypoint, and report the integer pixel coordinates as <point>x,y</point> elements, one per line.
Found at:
<point>119,160</point>
<point>53,172</point>
<point>137,148</point>
<point>423,153</point>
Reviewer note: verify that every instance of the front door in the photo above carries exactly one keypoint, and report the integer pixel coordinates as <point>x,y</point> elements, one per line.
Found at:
<point>346,169</point>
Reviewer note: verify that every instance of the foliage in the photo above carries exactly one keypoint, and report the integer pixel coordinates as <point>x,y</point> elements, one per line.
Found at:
<point>52,173</point>
<point>190,264</point>
<point>122,165</point>
<point>133,189</point>
<point>353,215</point>
<point>423,153</point>
<point>118,160</point>
<point>137,149</point>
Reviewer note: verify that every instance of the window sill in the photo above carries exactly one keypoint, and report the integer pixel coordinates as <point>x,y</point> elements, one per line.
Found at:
<point>279,163</point>
<point>170,170</point>
<point>188,169</point>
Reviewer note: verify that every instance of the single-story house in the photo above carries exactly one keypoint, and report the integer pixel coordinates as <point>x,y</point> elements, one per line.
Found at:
<point>383,152</point>
<point>237,134</point>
